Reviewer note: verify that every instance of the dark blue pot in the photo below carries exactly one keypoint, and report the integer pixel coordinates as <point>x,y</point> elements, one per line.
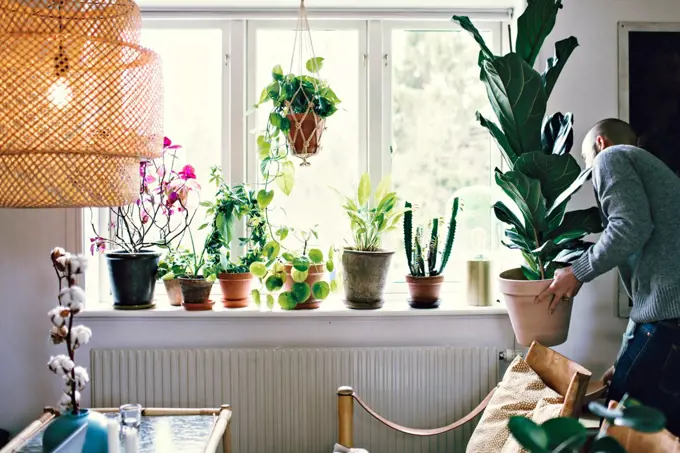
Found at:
<point>133,278</point>
<point>96,438</point>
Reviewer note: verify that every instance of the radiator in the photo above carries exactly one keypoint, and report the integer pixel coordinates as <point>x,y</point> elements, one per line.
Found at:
<point>284,400</point>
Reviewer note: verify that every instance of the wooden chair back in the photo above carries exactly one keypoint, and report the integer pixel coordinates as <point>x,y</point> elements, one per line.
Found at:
<point>636,442</point>
<point>564,376</point>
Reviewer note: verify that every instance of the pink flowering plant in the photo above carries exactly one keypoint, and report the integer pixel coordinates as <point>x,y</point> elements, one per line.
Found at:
<point>162,214</point>
<point>71,301</point>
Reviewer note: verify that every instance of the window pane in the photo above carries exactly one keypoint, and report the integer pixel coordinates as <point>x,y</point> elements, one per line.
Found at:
<point>313,200</point>
<point>439,148</point>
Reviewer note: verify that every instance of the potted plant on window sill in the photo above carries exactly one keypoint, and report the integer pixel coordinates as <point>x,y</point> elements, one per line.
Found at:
<point>365,264</point>
<point>174,264</point>
<point>196,285</point>
<point>301,104</point>
<point>425,278</point>
<point>542,175</point>
<point>159,219</point>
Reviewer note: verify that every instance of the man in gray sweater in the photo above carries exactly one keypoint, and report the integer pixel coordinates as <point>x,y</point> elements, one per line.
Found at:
<point>639,198</point>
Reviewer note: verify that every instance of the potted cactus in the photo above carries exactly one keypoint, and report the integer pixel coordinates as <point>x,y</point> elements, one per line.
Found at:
<point>542,176</point>
<point>426,276</point>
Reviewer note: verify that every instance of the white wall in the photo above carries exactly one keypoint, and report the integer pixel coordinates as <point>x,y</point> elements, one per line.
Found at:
<point>588,88</point>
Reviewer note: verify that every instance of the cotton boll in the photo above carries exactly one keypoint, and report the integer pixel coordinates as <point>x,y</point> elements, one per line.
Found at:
<point>77,264</point>
<point>61,262</point>
<point>60,364</point>
<point>81,377</point>
<point>80,335</point>
<point>72,296</point>
<point>58,334</point>
<point>57,253</point>
<point>58,316</point>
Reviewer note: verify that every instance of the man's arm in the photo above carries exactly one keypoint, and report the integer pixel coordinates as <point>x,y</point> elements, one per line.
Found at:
<point>625,204</point>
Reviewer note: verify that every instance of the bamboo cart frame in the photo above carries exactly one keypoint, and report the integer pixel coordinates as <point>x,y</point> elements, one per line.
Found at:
<point>221,429</point>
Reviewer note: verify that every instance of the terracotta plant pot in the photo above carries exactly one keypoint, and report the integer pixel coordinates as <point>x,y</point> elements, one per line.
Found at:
<point>531,321</point>
<point>196,293</point>
<point>310,132</point>
<point>235,289</point>
<point>174,292</point>
<point>316,273</point>
<point>424,291</point>
<point>364,278</point>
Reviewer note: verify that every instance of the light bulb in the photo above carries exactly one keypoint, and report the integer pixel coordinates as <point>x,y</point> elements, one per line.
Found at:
<point>60,94</point>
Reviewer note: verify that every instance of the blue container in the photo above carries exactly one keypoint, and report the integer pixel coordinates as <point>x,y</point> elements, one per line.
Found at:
<point>96,438</point>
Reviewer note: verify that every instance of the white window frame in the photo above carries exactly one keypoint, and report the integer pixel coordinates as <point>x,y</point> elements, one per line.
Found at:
<point>238,44</point>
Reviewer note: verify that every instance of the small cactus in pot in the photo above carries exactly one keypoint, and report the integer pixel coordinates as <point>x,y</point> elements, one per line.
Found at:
<point>427,261</point>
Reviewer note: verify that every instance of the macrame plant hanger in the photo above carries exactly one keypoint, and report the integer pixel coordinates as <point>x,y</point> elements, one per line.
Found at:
<point>306,126</point>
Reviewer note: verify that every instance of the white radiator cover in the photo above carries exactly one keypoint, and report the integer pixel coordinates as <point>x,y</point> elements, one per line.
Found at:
<point>284,400</point>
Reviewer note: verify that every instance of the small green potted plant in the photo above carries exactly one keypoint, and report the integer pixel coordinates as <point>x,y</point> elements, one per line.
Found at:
<point>301,104</point>
<point>232,204</point>
<point>173,265</point>
<point>426,278</point>
<point>365,263</point>
<point>196,284</point>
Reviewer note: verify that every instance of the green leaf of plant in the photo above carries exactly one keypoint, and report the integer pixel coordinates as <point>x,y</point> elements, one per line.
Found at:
<point>271,250</point>
<point>287,301</point>
<point>203,227</point>
<point>606,445</point>
<point>505,215</point>
<point>316,256</point>
<point>321,290</point>
<point>642,419</point>
<point>275,119</point>
<point>528,434</point>
<point>334,285</point>
<point>603,412</point>
<point>501,139</point>
<point>259,270</point>
<point>364,191</point>
<point>270,301</point>
<point>331,253</point>
<point>273,91</point>
<point>577,224</point>
<point>299,276</point>
<point>330,266</point>
<point>314,65</point>
<point>467,25</point>
<point>273,283</point>
<point>263,97</point>
<point>383,188</point>
<point>563,50</point>
<point>566,433</point>
<point>533,26</point>
<point>559,206</point>
<point>301,263</point>
<point>288,257</point>
<point>169,276</point>
<point>530,274</point>
<point>518,98</point>
<point>526,193</point>
<point>555,173</point>
<point>206,204</point>
<point>286,178</point>
<point>255,294</point>
<point>558,134</point>
<point>225,226</point>
<point>282,233</point>
<point>277,72</point>
<point>264,198</point>
<point>301,292</point>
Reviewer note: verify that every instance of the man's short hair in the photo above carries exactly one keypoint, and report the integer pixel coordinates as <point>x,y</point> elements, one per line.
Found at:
<point>616,131</point>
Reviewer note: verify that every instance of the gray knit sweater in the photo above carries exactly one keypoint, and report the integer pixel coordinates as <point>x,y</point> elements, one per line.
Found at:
<point>640,199</point>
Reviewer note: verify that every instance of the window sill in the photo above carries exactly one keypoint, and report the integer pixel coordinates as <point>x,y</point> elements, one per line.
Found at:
<point>395,306</point>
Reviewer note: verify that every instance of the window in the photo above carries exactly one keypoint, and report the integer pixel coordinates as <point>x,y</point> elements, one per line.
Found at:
<point>409,94</point>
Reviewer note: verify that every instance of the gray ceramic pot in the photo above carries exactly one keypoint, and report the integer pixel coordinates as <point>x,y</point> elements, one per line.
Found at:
<point>364,278</point>
<point>133,278</point>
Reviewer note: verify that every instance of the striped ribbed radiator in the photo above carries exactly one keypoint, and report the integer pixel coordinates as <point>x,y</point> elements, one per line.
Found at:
<point>284,400</point>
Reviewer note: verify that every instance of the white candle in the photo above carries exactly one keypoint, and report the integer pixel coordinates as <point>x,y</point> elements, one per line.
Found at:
<point>130,440</point>
<point>113,430</point>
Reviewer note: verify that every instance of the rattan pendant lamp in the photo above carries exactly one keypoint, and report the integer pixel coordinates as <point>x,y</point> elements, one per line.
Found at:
<point>80,103</point>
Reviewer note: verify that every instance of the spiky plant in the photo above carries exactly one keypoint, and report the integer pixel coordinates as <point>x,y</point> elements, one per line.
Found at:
<point>422,261</point>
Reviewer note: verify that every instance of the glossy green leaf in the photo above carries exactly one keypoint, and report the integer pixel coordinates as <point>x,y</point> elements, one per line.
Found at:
<point>274,283</point>
<point>563,50</point>
<point>289,257</point>
<point>528,434</point>
<point>321,290</point>
<point>259,270</point>
<point>277,72</point>
<point>364,190</point>
<point>301,292</point>
<point>533,26</point>
<point>526,193</point>
<point>299,276</point>
<point>270,301</point>
<point>169,276</point>
<point>263,97</point>
<point>255,294</point>
<point>273,90</point>
<point>287,301</point>
<point>467,25</point>
<point>606,445</point>
<point>501,139</point>
<point>559,205</point>
<point>505,215</point>
<point>558,134</point>
<point>278,267</point>
<point>282,233</point>
<point>604,412</point>
<point>286,177</point>
<point>566,433</point>
<point>301,263</point>
<point>225,225</point>
<point>642,419</point>
<point>271,250</point>
<point>316,256</point>
<point>331,253</point>
<point>314,65</point>
<point>206,204</point>
<point>264,198</point>
<point>577,224</point>
<point>555,173</point>
<point>330,266</point>
<point>383,188</point>
<point>334,285</point>
<point>518,98</point>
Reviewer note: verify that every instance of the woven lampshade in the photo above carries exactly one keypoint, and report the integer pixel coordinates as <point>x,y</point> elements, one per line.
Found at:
<point>81,103</point>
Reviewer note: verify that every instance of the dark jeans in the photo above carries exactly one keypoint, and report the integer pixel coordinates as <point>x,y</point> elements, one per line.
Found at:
<point>649,370</point>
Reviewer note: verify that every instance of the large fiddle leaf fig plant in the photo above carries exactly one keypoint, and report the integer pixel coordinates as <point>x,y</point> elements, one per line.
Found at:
<point>542,176</point>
